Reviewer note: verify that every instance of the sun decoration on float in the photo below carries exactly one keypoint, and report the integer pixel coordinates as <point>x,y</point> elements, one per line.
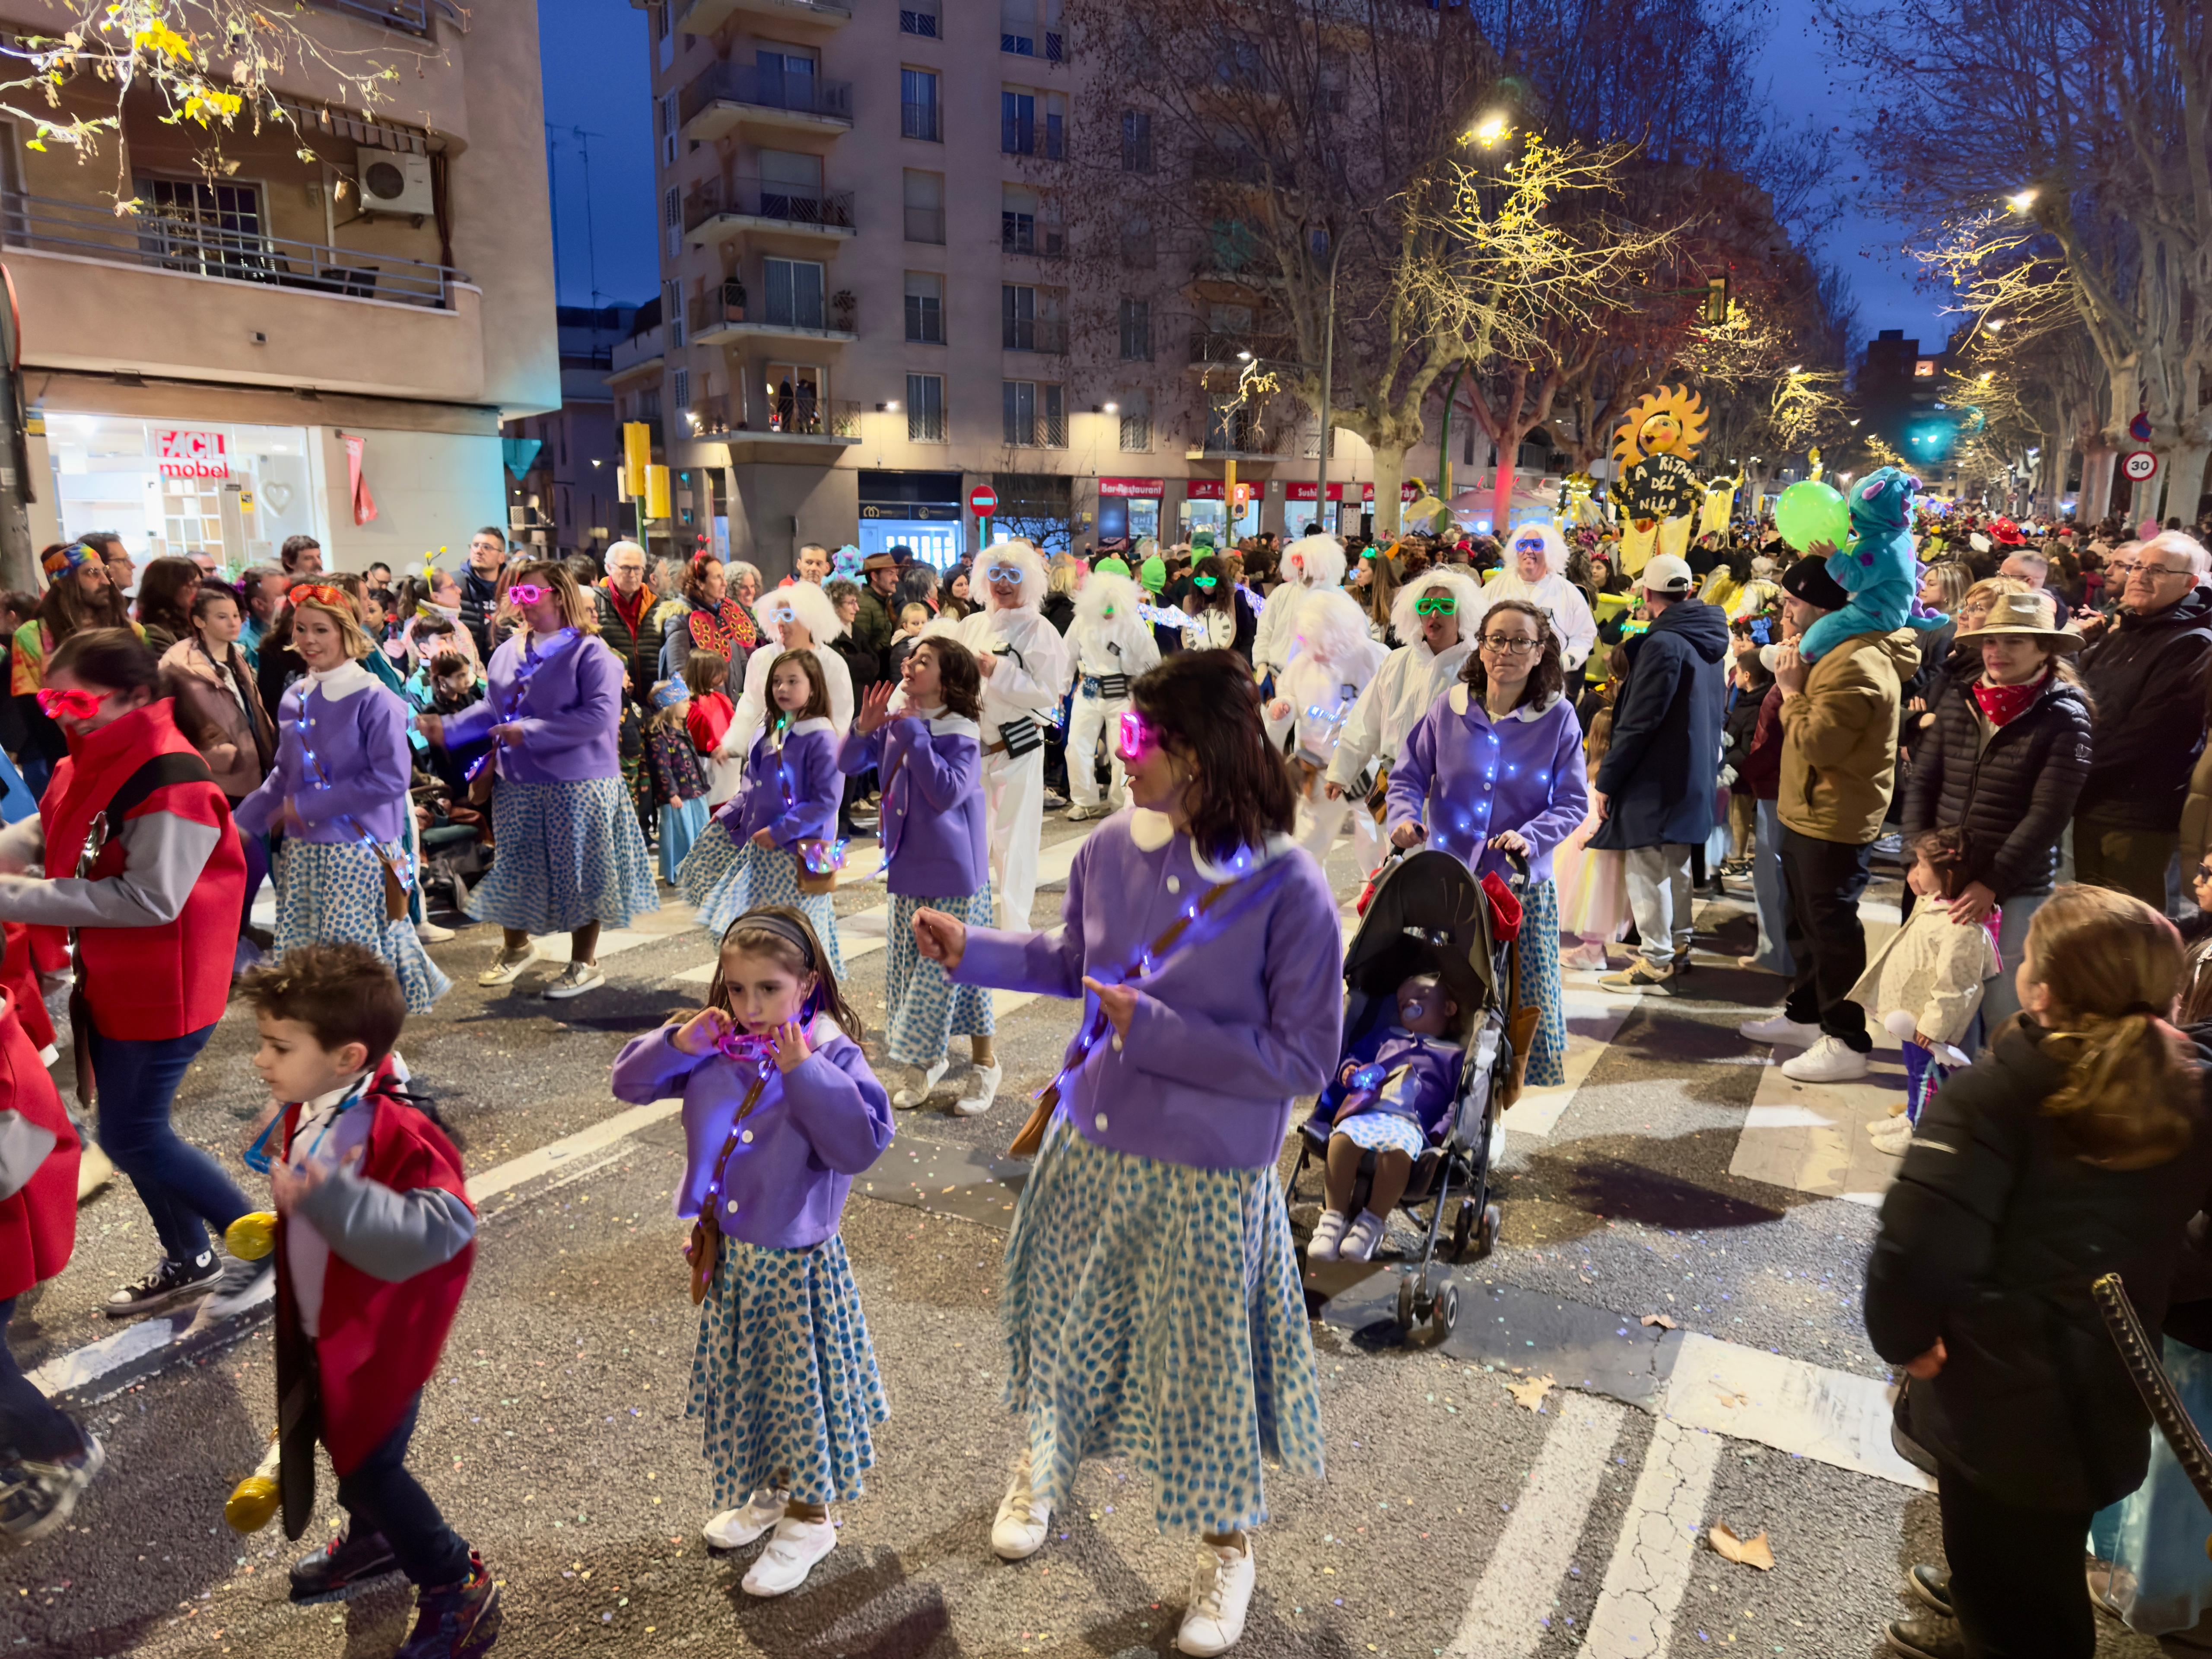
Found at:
<point>1669,422</point>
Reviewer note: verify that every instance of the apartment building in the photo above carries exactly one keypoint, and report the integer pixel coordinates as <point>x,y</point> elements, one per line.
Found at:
<point>563,493</point>
<point>323,343</point>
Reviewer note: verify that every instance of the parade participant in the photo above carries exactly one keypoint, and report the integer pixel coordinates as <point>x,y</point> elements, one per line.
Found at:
<point>780,1112</point>
<point>1333,659</point>
<point>716,620</point>
<point>1026,668</point>
<point>571,856</point>
<point>936,857</point>
<point>1153,1304</point>
<point>1111,644</point>
<point>78,596</point>
<point>154,906</point>
<point>1496,767</point>
<point>679,783</point>
<point>1435,614</point>
<point>800,617</point>
<point>338,795</point>
<point>1537,574</point>
<point>1311,562</point>
<point>781,826</point>
<point>374,1239</point>
<point>218,707</point>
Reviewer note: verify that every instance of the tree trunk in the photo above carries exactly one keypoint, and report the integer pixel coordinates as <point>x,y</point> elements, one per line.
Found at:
<point>2097,463</point>
<point>2187,487</point>
<point>1389,473</point>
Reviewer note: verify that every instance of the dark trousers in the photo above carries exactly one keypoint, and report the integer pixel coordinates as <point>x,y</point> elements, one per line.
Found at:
<point>2132,860</point>
<point>382,1496</point>
<point>2015,1575</point>
<point>181,1186</point>
<point>1825,879</point>
<point>30,1425</point>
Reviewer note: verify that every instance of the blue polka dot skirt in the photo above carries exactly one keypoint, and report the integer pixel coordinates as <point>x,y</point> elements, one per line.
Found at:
<point>1153,1312</point>
<point>926,1009</point>
<point>1539,948</point>
<point>332,893</point>
<point>1384,1132</point>
<point>785,1379</point>
<point>568,855</point>
<point>723,880</point>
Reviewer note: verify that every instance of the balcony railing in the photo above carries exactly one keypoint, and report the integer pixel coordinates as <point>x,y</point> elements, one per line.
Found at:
<point>710,416</point>
<point>1041,139</point>
<point>1025,37</point>
<point>926,225</point>
<point>802,415</point>
<point>1240,433</point>
<point>920,121</point>
<point>1045,334</point>
<point>1209,346</point>
<point>408,16</point>
<point>202,248</point>
<point>754,199</point>
<point>1040,432</point>
<point>927,426</point>
<point>918,17</point>
<point>743,83</point>
<point>1019,232</point>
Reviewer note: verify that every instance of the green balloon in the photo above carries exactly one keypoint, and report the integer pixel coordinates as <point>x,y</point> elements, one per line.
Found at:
<point>1810,511</point>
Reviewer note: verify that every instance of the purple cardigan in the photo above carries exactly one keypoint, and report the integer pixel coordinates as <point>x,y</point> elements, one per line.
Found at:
<point>934,839</point>
<point>792,793</point>
<point>570,717</point>
<point>360,742</point>
<point>811,1133</point>
<point>1468,780</point>
<point>1229,1029</point>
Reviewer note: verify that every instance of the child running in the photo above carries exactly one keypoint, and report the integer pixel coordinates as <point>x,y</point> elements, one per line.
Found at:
<point>780,1112</point>
<point>751,855</point>
<point>373,1242</point>
<point>937,851</point>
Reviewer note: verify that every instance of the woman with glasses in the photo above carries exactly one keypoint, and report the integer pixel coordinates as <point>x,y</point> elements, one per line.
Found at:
<point>1536,574</point>
<point>1495,767</point>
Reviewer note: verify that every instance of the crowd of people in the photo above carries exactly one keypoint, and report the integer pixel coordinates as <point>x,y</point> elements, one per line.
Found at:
<point>2026,743</point>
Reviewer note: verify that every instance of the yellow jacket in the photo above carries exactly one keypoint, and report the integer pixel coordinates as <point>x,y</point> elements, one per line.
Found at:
<point>1839,739</point>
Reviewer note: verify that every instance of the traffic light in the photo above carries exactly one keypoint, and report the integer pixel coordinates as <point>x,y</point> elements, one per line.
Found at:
<point>1716,301</point>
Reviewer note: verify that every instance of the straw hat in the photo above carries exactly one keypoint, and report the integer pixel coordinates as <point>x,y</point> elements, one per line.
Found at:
<point>2027,615</point>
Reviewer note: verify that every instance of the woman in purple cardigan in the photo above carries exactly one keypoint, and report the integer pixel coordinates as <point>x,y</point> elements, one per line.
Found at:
<point>1496,767</point>
<point>1152,1306</point>
<point>937,853</point>
<point>337,792</point>
<point>570,856</point>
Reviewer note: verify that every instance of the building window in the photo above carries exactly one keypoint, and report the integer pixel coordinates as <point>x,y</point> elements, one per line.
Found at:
<point>1027,319</point>
<point>919,17</point>
<point>1028,37</point>
<point>671,124</point>
<point>1136,422</point>
<point>671,216</point>
<point>925,208</point>
<point>683,388</point>
<point>1138,251</point>
<point>794,291</point>
<point>925,409</point>
<point>215,229</point>
<point>1136,331</point>
<point>917,106</point>
<point>671,308</point>
<point>797,394</point>
<point>925,308</point>
<point>1136,142</point>
<point>1035,414</point>
<point>1031,124</point>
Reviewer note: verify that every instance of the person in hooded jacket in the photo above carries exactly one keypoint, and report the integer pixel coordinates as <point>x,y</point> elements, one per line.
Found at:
<point>1654,791</point>
<point>2003,764</point>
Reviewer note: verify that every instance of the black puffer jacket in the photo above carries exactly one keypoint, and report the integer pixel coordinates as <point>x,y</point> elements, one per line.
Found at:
<point>2148,676</point>
<point>2013,795</point>
<point>1989,1240</point>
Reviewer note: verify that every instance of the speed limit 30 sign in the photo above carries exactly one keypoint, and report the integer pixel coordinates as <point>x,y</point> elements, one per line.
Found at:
<point>2140,465</point>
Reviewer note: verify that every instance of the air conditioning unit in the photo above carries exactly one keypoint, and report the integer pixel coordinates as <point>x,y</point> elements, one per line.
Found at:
<point>393,183</point>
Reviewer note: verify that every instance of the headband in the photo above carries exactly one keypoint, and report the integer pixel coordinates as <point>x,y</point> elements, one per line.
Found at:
<point>768,921</point>
<point>332,599</point>
<point>68,559</point>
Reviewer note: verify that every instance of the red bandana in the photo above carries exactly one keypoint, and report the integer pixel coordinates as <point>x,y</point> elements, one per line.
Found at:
<point>2004,704</point>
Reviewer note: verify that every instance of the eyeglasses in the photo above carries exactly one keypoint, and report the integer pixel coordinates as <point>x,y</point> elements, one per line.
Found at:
<point>1530,545</point>
<point>528,593</point>
<point>1005,573</point>
<point>1136,741</point>
<point>1204,582</point>
<point>76,705</point>
<point>1507,645</point>
<point>2163,570</point>
<point>1436,605</point>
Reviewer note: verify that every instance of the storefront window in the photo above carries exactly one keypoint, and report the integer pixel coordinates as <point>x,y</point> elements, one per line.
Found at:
<point>231,493</point>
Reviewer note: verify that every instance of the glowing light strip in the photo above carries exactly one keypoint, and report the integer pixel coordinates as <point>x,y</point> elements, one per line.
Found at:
<point>533,661</point>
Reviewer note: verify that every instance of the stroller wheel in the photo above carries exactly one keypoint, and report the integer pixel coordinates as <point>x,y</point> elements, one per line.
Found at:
<point>1463,1221</point>
<point>1412,1304</point>
<point>1485,1234</point>
<point>1445,1313</point>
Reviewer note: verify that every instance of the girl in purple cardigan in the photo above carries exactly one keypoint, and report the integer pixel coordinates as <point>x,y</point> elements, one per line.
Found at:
<point>571,857</point>
<point>339,793</point>
<point>750,855</point>
<point>1152,1307</point>
<point>780,1112</point>
<point>937,853</point>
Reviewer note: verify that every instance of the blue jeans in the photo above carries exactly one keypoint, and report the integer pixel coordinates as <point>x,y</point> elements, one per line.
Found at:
<point>1766,892</point>
<point>30,1425</point>
<point>382,1496</point>
<point>181,1186</point>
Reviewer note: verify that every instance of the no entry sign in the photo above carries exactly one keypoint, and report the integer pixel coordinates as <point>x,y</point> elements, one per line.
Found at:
<point>982,500</point>
<point>2140,465</point>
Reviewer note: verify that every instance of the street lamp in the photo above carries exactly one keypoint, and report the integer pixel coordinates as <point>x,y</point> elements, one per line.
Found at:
<point>2021,201</point>
<point>1243,356</point>
<point>1490,129</point>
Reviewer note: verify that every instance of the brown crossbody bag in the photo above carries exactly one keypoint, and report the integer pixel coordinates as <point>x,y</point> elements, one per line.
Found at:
<point>705,1249</point>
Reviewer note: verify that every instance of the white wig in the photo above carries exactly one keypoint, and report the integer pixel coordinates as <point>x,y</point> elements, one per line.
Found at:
<point>1105,589</point>
<point>1314,561</point>
<point>816,611</point>
<point>1035,578</point>
<point>1555,548</point>
<point>1330,626</point>
<point>1451,579</point>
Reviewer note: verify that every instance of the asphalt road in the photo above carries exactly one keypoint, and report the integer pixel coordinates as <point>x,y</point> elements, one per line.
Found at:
<point>1454,1519</point>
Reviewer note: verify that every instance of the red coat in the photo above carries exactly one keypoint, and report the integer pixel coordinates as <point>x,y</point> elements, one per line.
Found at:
<point>707,719</point>
<point>148,983</point>
<point>380,1341</point>
<point>19,981</point>
<point>38,1225</point>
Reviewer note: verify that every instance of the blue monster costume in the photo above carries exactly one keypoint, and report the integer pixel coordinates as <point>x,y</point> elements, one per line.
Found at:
<point>1877,569</point>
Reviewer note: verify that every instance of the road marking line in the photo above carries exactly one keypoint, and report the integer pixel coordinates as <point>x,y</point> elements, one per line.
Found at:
<point>1506,1617</point>
<point>1634,1618</point>
<point>1830,1416</point>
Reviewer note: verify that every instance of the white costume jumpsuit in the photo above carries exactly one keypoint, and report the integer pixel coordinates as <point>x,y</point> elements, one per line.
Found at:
<point>1021,695</point>
<point>1110,652</point>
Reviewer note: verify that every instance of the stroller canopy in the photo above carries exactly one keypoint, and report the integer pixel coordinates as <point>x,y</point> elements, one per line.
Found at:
<point>1429,916</point>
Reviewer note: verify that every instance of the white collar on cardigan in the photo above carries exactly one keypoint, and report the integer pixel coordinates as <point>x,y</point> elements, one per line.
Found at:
<point>942,725</point>
<point>1462,697</point>
<point>800,727</point>
<point>1152,831</point>
<point>340,682</point>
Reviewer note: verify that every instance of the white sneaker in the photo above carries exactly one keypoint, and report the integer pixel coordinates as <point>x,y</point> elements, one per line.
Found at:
<point>1829,1061</point>
<point>576,978</point>
<point>1328,1235</point>
<point>1221,1596</point>
<point>919,1083</point>
<point>732,1529</point>
<point>1780,1028</point>
<point>1018,1530</point>
<point>980,1091</point>
<point>1892,1135</point>
<point>509,968</point>
<point>790,1555</point>
<point>430,933</point>
<point>1081,813</point>
<point>1361,1238</point>
<point>1588,958</point>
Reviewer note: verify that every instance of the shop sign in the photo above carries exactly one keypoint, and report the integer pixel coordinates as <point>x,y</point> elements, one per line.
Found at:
<point>1294,491</point>
<point>1202,489</point>
<point>1133,489</point>
<point>187,454</point>
<point>1406,493</point>
<point>912,511</point>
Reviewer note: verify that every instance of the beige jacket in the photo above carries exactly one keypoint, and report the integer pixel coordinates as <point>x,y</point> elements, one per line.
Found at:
<point>1932,968</point>
<point>1840,739</point>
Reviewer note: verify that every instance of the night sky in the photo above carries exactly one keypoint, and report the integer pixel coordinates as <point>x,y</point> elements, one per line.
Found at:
<point>595,59</point>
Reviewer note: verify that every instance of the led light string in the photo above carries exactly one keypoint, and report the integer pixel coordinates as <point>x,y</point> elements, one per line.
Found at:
<point>403,866</point>
<point>533,661</point>
<point>823,858</point>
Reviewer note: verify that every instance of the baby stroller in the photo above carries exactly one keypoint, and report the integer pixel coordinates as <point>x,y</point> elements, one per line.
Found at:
<point>1431,915</point>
